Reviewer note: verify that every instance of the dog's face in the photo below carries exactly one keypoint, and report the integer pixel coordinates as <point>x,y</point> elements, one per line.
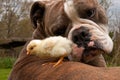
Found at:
<point>83,21</point>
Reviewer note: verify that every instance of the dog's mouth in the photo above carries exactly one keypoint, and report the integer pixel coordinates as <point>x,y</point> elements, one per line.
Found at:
<point>85,53</point>
<point>90,53</point>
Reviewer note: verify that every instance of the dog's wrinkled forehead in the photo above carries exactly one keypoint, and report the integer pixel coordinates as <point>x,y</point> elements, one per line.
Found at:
<point>71,12</point>
<point>87,9</point>
<point>54,17</point>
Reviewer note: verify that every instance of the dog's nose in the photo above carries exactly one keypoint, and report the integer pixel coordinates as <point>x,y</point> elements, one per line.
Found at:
<point>81,36</point>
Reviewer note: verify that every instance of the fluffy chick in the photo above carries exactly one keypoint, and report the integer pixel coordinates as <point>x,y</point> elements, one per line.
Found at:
<point>52,47</point>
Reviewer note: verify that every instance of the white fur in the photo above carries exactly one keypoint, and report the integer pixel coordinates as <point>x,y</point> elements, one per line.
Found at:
<point>51,47</point>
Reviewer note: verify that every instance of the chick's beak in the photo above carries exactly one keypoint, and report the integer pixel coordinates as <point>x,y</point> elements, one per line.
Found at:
<point>28,52</point>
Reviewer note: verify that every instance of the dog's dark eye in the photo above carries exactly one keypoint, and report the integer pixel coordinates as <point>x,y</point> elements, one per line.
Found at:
<point>60,31</point>
<point>90,12</point>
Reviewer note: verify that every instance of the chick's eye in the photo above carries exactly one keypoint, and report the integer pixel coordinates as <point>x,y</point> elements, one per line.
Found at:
<point>31,48</point>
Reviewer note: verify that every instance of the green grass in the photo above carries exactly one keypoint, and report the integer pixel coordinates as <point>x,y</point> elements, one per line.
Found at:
<point>6,62</point>
<point>4,73</point>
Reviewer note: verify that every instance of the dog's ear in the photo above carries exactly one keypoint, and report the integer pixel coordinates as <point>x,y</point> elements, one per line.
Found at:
<point>37,13</point>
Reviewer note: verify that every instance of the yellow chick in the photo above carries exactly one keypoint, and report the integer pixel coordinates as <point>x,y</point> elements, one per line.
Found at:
<point>52,47</point>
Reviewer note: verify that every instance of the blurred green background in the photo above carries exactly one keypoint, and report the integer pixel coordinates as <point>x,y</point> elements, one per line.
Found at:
<point>6,64</point>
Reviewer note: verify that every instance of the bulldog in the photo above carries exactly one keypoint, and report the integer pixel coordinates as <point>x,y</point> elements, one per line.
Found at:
<point>84,22</point>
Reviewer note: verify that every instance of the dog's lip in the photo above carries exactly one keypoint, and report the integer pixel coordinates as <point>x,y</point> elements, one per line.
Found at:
<point>77,50</point>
